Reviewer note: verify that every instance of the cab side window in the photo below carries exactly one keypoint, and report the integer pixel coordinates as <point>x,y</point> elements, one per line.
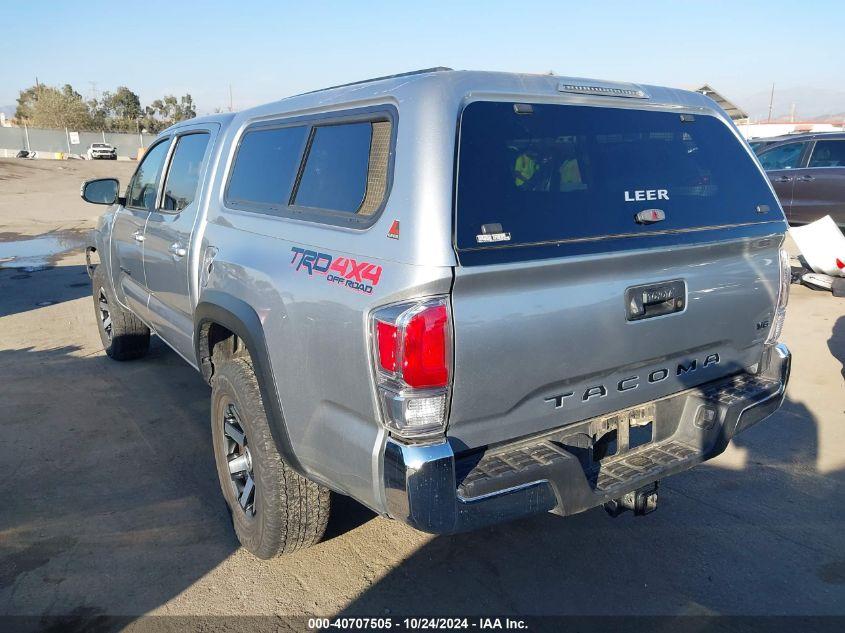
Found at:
<point>783,157</point>
<point>828,154</point>
<point>184,173</point>
<point>144,186</point>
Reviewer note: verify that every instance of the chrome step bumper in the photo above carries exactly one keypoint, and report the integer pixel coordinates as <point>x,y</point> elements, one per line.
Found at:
<point>430,488</point>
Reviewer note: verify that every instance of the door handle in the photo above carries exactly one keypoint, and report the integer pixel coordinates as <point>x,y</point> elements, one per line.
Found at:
<point>177,250</point>
<point>806,178</point>
<point>653,300</point>
<point>138,236</point>
<point>783,179</point>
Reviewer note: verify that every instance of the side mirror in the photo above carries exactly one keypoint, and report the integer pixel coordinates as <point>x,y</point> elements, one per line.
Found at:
<point>100,191</point>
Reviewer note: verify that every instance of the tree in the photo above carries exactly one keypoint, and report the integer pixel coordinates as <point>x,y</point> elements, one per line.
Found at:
<point>26,103</point>
<point>168,110</point>
<point>46,106</point>
<point>69,93</point>
<point>118,111</point>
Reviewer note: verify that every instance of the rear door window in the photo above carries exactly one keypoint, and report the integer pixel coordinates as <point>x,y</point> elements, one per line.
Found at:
<point>183,176</point>
<point>783,156</point>
<point>828,154</point>
<point>546,173</point>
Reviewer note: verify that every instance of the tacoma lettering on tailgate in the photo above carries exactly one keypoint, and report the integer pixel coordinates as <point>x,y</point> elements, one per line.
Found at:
<point>343,271</point>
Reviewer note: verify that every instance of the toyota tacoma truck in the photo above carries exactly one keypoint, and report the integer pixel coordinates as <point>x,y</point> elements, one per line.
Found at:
<point>458,297</point>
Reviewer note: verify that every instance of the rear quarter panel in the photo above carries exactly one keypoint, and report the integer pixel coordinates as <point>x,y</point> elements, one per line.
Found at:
<point>318,343</point>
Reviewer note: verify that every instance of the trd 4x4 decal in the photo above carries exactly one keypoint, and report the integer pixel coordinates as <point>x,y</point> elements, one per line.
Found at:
<point>344,271</point>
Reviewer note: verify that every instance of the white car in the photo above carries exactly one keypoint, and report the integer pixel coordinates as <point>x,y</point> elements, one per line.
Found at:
<point>102,150</point>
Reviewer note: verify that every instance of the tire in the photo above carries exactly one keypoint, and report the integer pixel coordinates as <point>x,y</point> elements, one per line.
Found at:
<point>281,511</point>
<point>124,336</point>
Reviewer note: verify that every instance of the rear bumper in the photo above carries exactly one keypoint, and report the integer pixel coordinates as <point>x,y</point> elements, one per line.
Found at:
<point>429,488</point>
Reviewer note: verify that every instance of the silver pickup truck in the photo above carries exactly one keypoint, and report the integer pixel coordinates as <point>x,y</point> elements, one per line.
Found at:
<point>457,297</point>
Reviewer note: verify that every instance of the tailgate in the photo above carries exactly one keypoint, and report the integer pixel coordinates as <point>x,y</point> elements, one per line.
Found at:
<point>557,260</point>
<point>543,344</point>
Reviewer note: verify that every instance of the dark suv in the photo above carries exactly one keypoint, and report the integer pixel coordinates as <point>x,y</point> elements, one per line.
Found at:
<point>808,174</point>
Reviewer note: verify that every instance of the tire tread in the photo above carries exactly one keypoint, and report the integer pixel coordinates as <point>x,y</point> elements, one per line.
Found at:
<point>295,510</point>
<point>130,336</point>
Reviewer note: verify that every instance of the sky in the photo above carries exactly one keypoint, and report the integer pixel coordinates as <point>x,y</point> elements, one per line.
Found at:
<point>268,50</point>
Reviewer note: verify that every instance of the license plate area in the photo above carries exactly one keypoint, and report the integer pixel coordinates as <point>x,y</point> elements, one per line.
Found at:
<point>609,437</point>
<point>622,432</point>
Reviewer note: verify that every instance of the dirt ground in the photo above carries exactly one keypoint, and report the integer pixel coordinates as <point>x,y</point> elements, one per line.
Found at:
<point>111,503</point>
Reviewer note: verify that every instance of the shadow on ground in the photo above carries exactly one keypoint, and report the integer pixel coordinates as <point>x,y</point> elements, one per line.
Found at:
<point>106,483</point>
<point>54,285</point>
<point>111,506</point>
<point>758,533</point>
<point>723,541</point>
<point>836,342</point>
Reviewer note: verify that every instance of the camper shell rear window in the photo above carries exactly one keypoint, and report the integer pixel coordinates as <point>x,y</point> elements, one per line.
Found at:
<point>533,174</point>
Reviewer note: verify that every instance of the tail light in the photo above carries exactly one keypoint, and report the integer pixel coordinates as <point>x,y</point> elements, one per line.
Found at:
<point>412,353</point>
<point>783,299</point>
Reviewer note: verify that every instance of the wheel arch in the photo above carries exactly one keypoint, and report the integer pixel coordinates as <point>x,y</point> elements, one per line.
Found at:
<point>221,310</point>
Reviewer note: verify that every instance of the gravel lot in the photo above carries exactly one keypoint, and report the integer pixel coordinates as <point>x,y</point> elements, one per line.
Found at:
<point>111,503</point>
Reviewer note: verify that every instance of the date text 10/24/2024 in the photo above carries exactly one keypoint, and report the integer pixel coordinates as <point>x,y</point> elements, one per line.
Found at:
<point>417,624</point>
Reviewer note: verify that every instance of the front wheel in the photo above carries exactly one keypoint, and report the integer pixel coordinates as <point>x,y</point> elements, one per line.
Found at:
<point>274,509</point>
<point>124,336</point>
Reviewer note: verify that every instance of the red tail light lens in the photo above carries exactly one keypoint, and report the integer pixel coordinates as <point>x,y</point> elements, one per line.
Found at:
<point>413,343</point>
<point>387,341</point>
<point>424,361</point>
<point>412,352</point>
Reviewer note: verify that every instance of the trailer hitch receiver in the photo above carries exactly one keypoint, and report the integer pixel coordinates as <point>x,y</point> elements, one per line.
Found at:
<point>640,501</point>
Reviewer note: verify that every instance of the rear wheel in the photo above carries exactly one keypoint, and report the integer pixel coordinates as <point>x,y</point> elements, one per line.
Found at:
<point>274,509</point>
<point>124,336</point>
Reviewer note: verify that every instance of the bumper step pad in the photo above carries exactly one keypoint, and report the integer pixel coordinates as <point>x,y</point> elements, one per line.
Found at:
<point>502,468</point>
<point>498,471</point>
<point>617,472</point>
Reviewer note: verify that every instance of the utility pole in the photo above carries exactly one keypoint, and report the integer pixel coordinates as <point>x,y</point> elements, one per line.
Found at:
<point>230,98</point>
<point>771,102</point>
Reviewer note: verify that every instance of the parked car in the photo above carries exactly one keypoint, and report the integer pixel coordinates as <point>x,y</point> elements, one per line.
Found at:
<point>808,174</point>
<point>101,151</point>
<point>458,297</point>
<point>759,144</point>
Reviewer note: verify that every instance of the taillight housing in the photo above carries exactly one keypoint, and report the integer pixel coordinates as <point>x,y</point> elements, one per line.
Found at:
<point>783,298</point>
<point>412,355</point>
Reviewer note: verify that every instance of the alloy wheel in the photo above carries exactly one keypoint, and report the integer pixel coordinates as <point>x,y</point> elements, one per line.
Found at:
<point>239,459</point>
<point>105,315</point>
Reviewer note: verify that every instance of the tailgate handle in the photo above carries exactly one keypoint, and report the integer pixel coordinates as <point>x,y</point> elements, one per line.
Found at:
<point>651,300</point>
